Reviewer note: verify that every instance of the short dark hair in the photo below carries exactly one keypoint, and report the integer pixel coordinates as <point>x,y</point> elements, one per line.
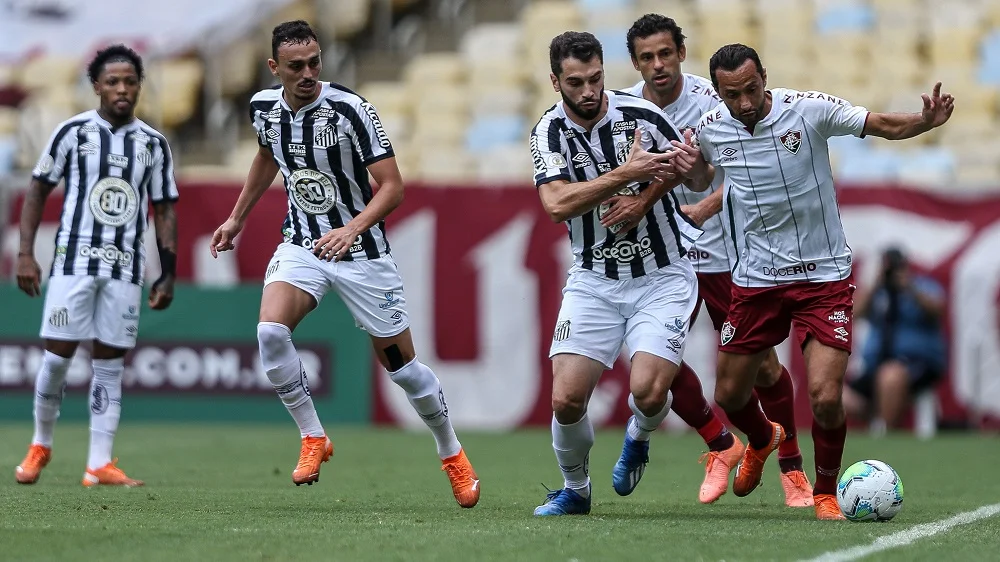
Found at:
<point>114,53</point>
<point>291,32</point>
<point>731,57</point>
<point>579,45</point>
<point>651,24</point>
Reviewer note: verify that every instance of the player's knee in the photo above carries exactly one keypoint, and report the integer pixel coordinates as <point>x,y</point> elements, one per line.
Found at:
<point>729,396</point>
<point>568,408</point>
<point>416,379</point>
<point>651,398</point>
<point>769,371</point>
<point>827,403</point>
<point>275,343</point>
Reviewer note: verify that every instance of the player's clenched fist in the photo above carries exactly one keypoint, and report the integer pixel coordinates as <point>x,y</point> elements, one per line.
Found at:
<point>224,237</point>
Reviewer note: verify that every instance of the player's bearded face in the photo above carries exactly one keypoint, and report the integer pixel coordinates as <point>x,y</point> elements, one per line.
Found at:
<point>298,68</point>
<point>118,86</point>
<point>581,86</point>
<point>659,60</point>
<point>744,92</point>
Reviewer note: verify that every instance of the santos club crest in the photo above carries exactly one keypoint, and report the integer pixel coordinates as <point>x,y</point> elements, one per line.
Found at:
<point>791,141</point>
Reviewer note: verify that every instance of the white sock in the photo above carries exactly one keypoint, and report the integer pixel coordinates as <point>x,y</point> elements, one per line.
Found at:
<point>105,409</point>
<point>423,390</point>
<point>284,370</point>
<point>572,444</point>
<point>50,385</point>
<point>642,426</point>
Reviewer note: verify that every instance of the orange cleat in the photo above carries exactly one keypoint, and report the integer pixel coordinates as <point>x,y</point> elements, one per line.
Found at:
<point>718,465</point>
<point>798,490</point>
<point>315,451</point>
<point>31,467</point>
<point>751,468</point>
<point>827,508</point>
<point>464,482</point>
<point>109,475</point>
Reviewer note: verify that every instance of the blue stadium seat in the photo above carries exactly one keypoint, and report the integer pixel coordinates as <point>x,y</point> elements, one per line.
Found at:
<point>845,18</point>
<point>597,5</point>
<point>868,166</point>
<point>613,41</point>
<point>989,66</point>
<point>488,131</point>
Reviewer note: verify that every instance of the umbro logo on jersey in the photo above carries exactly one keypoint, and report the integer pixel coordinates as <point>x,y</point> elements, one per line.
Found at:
<point>791,141</point>
<point>117,160</point>
<point>272,135</point>
<point>325,137</point>
<point>89,148</point>
<point>581,160</point>
<point>729,154</point>
<point>623,127</point>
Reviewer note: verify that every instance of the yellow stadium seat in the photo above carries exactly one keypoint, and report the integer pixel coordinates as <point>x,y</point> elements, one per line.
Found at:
<point>238,65</point>
<point>177,89</point>
<point>296,10</point>
<point>446,165</point>
<point>491,42</point>
<point>389,96</point>
<point>51,71</point>
<point>435,99</point>
<point>506,164</point>
<point>435,68</point>
<point>341,19</point>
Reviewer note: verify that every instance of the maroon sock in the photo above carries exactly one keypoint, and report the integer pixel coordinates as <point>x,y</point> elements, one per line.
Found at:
<point>750,419</point>
<point>778,403</point>
<point>829,448</point>
<point>689,400</point>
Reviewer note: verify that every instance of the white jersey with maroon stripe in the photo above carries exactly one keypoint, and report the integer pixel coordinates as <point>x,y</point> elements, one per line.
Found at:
<point>780,210</point>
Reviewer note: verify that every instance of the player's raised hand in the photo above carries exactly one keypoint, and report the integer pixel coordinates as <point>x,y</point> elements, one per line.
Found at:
<point>224,238</point>
<point>686,158</point>
<point>335,244</point>
<point>937,107</point>
<point>643,164</point>
<point>29,275</point>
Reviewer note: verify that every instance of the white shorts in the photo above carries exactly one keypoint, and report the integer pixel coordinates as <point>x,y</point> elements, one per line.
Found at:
<point>371,289</point>
<point>650,314</point>
<point>84,307</point>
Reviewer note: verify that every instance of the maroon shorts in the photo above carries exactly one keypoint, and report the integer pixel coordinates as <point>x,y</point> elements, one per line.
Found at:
<point>715,289</point>
<point>761,317</point>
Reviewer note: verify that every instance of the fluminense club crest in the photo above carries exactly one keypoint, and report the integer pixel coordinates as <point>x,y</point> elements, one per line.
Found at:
<point>791,141</point>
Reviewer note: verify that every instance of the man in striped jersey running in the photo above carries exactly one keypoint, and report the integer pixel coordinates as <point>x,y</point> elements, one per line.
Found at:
<point>112,166</point>
<point>627,285</point>
<point>656,44</point>
<point>792,266</point>
<point>325,140</point>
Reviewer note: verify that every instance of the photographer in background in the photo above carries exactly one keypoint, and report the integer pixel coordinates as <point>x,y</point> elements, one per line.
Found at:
<point>904,352</point>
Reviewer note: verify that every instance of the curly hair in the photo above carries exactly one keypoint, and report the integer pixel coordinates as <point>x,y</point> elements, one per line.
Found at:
<point>114,53</point>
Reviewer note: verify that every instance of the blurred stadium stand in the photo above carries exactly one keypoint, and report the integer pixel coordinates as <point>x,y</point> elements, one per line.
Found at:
<point>459,83</point>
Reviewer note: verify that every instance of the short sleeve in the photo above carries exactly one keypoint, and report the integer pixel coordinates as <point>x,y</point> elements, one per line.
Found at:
<point>834,117</point>
<point>162,185</point>
<point>52,162</point>
<point>546,153</point>
<point>372,140</point>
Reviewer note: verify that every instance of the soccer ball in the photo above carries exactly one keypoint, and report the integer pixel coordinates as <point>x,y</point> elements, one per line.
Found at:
<point>870,491</point>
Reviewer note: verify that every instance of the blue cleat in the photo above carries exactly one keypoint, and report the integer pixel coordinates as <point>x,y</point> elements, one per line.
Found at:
<point>630,466</point>
<point>564,502</point>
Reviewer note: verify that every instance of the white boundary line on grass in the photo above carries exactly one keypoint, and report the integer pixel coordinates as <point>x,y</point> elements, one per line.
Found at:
<point>913,534</point>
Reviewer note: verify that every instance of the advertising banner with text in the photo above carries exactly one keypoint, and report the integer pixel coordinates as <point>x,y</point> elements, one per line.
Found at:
<point>483,270</point>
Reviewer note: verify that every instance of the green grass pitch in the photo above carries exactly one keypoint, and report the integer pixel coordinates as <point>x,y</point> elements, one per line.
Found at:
<point>224,492</point>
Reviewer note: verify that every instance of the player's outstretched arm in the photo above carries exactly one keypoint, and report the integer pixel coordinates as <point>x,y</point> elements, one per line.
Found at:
<point>937,110</point>
<point>563,200</point>
<point>704,209</point>
<point>389,194</point>
<point>29,274</point>
<point>263,169</point>
<point>165,224</point>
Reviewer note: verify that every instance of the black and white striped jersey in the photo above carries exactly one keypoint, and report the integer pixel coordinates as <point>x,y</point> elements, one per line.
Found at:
<point>323,151</point>
<point>562,150</point>
<point>111,176</point>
